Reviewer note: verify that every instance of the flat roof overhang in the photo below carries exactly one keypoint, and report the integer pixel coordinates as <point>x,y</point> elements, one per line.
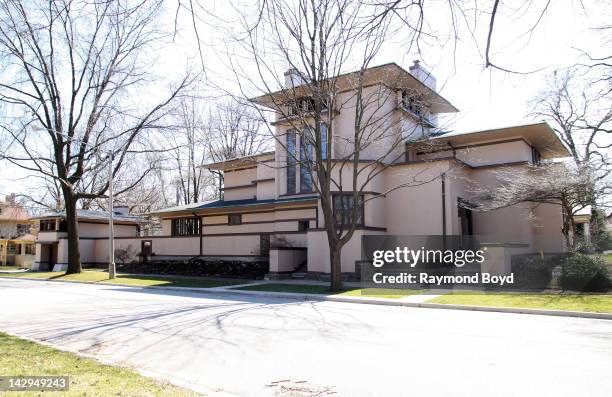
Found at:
<point>240,162</point>
<point>391,75</point>
<point>539,135</point>
<point>234,206</point>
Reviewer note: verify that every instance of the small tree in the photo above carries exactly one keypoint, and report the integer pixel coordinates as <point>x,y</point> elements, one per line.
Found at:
<point>552,183</point>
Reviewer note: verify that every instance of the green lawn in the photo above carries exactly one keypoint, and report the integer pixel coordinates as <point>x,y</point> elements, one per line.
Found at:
<point>608,258</point>
<point>324,290</point>
<point>87,377</point>
<point>100,276</point>
<point>10,267</point>
<point>582,303</point>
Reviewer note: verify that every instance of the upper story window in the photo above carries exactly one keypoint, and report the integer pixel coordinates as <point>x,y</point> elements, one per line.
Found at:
<point>343,205</point>
<point>186,226</point>
<point>47,225</point>
<point>303,106</point>
<point>234,219</point>
<point>415,105</point>
<point>307,156</point>
<point>291,160</point>
<point>23,229</point>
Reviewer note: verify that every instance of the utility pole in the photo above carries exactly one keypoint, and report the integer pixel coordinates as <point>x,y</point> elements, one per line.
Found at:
<point>111,234</point>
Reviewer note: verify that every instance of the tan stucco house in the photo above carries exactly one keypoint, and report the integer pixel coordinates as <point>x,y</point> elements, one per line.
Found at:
<point>269,210</point>
<point>52,242</point>
<point>267,214</point>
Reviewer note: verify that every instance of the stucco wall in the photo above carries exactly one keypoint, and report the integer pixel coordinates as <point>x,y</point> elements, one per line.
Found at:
<point>101,230</point>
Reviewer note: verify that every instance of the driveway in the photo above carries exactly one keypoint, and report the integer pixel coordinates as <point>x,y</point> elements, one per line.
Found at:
<point>252,346</point>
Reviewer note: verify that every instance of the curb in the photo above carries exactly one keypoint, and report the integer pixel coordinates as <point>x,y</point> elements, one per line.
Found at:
<point>341,299</point>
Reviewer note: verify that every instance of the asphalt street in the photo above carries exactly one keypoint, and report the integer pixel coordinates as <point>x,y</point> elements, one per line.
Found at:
<point>228,345</point>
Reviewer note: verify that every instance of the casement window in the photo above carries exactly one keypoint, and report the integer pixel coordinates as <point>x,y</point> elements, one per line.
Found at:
<point>47,225</point>
<point>411,103</point>
<point>291,163</point>
<point>30,249</point>
<point>234,219</point>
<point>308,155</point>
<point>343,205</point>
<point>306,165</point>
<point>303,225</point>
<point>186,226</point>
<point>13,249</point>
<point>304,106</point>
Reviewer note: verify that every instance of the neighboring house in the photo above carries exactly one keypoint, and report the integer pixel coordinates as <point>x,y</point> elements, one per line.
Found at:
<point>52,243</point>
<point>17,245</point>
<point>269,210</point>
<point>609,218</point>
<point>19,251</point>
<point>14,219</point>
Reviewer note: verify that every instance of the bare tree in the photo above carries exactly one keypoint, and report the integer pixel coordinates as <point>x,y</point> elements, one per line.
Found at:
<point>233,130</point>
<point>188,153</point>
<point>581,115</point>
<point>71,71</point>
<point>319,41</point>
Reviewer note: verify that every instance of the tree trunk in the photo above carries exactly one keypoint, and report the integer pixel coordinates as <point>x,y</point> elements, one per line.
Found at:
<point>74,257</point>
<point>336,266</point>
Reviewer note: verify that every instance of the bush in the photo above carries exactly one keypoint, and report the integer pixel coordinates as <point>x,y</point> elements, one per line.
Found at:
<point>198,267</point>
<point>532,272</point>
<point>585,273</point>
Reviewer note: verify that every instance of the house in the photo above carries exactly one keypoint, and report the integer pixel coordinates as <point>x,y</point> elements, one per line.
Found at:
<point>17,245</point>
<point>14,218</point>
<point>270,211</point>
<point>52,242</point>
<point>19,251</point>
<point>269,208</point>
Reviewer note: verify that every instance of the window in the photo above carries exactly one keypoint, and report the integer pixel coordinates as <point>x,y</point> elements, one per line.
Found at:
<point>264,244</point>
<point>47,225</point>
<point>234,219</point>
<point>63,226</point>
<point>30,249</point>
<point>306,161</point>
<point>12,249</point>
<point>343,209</point>
<point>23,229</point>
<point>535,156</point>
<point>410,102</point>
<point>308,155</point>
<point>303,225</point>
<point>304,105</point>
<point>186,226</point>
<point>415,105</point>
<point>291,161</point>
